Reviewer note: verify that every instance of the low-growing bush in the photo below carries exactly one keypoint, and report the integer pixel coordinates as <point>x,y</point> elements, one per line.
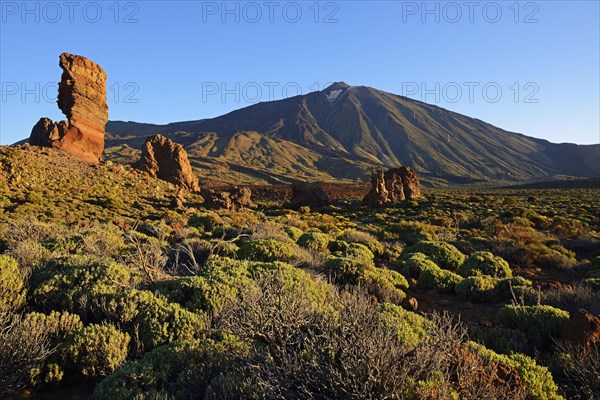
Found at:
<point>152,319</point>
<point>293,232</point>
<point>442,280</point>
<point>571,298</point>
<point>72,283</point>
<point>410,232</point>
<point>477,288</point>
<point>23,349</point>
<point>97,350</point>
<point>385,284</point>
<point>356,236</point>
<point>443,254</point>
<point>58,326</point>
<point>539,323</point>
<point>357,251</point>
<point>267,250</point>
<point>12,285</point>
<point>502,340</point>
<point>180,370</point>
<point>536,379</point>
<point>313,241</point>
<point>411,265</point>
<point>410,328</point>
<point>485,263</point>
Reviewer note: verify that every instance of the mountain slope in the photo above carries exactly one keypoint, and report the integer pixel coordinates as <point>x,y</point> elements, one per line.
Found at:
<point>340,132</point>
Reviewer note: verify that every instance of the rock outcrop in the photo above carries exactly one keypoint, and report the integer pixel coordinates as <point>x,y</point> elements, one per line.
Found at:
<point>82,98</point>
<point>393,186</point>
<point>582,329</point>
<point>236,198</point>
<point>378,194</point>
<point>308,194</point>
<point>164,159</point>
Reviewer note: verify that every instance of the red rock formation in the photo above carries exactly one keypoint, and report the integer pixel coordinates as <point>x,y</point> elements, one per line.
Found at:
<point>410,183</point>
<point>393,186</point>
<point>82,98</point>
<point>582,329</point>
<point>233,199</point>
<point>164,159</point>
<point>308,194</point>
<point>378,194</point>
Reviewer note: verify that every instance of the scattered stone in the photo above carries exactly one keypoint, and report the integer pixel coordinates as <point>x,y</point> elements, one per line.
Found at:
<point>582,329</point>
<point>164,159</point>
<point>233,199</point>
<point>308,194</point>
<point>410,304</point>
<point>391,187</point>
<point>486,322</point>
<point>179,198</point>
<point>82,98</point>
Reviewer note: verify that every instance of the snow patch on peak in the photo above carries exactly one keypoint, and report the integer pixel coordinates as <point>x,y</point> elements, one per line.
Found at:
<point>333,95</point>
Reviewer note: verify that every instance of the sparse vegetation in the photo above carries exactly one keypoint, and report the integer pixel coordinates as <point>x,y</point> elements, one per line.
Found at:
<point>107,287</point>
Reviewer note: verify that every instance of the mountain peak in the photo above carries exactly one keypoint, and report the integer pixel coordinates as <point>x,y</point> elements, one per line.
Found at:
<point>336,86</point>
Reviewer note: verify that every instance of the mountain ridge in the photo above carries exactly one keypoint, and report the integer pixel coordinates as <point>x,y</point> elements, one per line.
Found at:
<point>343,130</point>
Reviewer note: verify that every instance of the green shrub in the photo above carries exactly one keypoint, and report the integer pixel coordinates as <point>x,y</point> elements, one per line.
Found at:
<point>97,350</point>
<point>412,264</point>
<point>153,318</point>
<point>314,241</point>
<point>12,285</point>
<point>443,254</point>
<point>205,221</point>
<point>477,288</point>
<point>71,283</point>
<point>58,327</point>
<point>539,323</point>
<point>442,280</point>
<point>356,236</point>
<point>485,263</point>
<point>410,328</point>
<point>267,250</point>
<point>537,380</point>
<point>180,370</point>
<point>520,287</point>
<point>410,232</point>
<point>293,232</point>
<point>385,284</point>
<point>357,251</point>
<point>502,340</point>
<point>346,271</point>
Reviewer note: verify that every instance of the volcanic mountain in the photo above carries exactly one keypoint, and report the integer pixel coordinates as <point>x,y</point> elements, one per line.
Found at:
<point>340,132</point>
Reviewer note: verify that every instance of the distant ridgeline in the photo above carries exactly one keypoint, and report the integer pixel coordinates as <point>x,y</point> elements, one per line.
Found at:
<point>341,132</point>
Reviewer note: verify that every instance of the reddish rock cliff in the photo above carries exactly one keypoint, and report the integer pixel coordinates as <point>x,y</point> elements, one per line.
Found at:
<point>82,98</point>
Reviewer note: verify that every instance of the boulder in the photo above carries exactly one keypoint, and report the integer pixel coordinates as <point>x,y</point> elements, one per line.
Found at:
<point>164,159</point>
<point>236,198</point>
<point>582,329</point>
<point>378,194</point>
<point>82,98</point>
<point>410,183</point>
<point>308,194</point>
<point>392,186</point>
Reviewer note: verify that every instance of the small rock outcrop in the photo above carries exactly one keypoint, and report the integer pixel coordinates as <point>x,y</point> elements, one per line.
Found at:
<point>164,159</point>
<point>393,186</point>
<point>582,329</point>
<point>236,198</point>
<point>308,194</point>
<point>82,98</point>
<point>378,194</point>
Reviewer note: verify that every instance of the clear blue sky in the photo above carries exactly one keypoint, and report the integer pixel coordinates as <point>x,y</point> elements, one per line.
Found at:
<point>187,60</point>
